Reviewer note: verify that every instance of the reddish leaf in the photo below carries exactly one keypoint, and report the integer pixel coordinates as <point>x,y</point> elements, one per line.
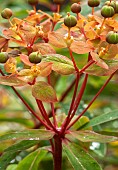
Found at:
<point>80,47</point>
<point>43,48</point>
<point>45,68</point>
<point>24,58</point>
<point>99,61</point>
<point>57,39</point>
<point>44,92</point>
<point>61,64</point>
<point>3,42</point>
<point>16,43</point>
<point>11,80</point>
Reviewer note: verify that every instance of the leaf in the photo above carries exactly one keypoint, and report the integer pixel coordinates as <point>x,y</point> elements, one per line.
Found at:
<point>45,68</point>
<point>11,152</point>
<point>24,58</point>
<point>90,136</point>
<point>103,118</point>
<point>99,148</point>
<point>98,71</point>
<point>80,47</point>
<point>43,48</point>
<point>6,158</point>
<point>99,61</point>
<point>79,158</point>
<point>11,80</point>
<point>44,92</point>
<point>25,122</point>
<point>1,32</point>
<point>61,64</point>
<point>3,42</point>
<point>22,145</point>
<point>80,123</point>
<point>31,162</point>
<point>57,39</point>
<point>12,167</point>
<point>31,134</point>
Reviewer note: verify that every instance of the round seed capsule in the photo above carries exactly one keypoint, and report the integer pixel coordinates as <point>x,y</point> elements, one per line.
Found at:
<point>112,3</point>
<point>33,2</point>
<point>3,57</point>
<point>35,57</point>
<point>70,21</point>
<point>93,3</point>
<point>75,8</point>
<point>107,11</point>
<point>112,37</point>
<point>6,13</point>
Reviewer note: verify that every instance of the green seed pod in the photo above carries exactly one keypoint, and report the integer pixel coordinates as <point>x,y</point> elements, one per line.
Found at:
<point>35,57</point>
<point>107,11</point>
<point>112,37</point>
<point>112,3</point>
<point>93,3</point>
<point>3,57</point>
<point>75,8</point>
<point>6,13</point>
<point>59,2</point>
<point>33,2</point>
<point>70,21</point>
<point>116,9</point>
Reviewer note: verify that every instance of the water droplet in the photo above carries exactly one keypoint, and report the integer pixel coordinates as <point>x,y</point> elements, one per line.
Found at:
<point>12,161</point>
<point>18,158</point>
<point>14,138</point>
<point>31,139</point>
<point>110,118</point>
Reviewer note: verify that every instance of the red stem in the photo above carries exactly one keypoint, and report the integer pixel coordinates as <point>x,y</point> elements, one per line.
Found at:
<point>44,114</point>
<point>87,65</point>
<point>72,104</point>
<point>73,60</point>
<point>57,152</point>
<point>30,109</point>
<point>27,106</point>
<point>91,102</point>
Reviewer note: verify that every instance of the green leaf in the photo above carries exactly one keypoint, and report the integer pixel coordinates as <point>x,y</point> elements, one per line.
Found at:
<point>11,80</point>
<point>99,71</point>
<point>12,167</point>
<point>31,162</point>
<point>22,145</point>
<point>90,136</point>
<point>26,122</point>
<point>33,134</point>
<point>103,118</point>
<point>6,158</point>
<point>44,92</point>
<point>79,158</point>
<point>11,152</point>
<point>80,123</point>
<point>61,64</point>
<point>99,148</point>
